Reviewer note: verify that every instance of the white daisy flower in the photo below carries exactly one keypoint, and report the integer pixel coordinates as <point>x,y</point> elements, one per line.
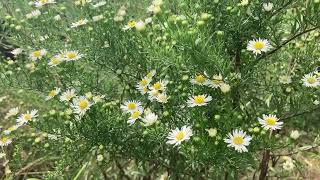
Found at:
<point>130,106</point>
<point>215,82</point>
<point>68,95</point>
<point>16,51</point>
<point>38,54</point>
<point>24,118</point>
<point>159,86</point>
<point>72,55</point>
<point>52,93</point>
<point>135,115</point>
<point>199,79</point>
<point>5,141</point>
<point>149,118</point>
<point>238,140</point>
<point>80,105</point>
<point>12,112</point>
<point>258,46</point>
<point>311,80</point>
<point>81,22</point>
<point>199,100</point>
<point>162,98</point>
<point>177,136</point>
<point>270,122</point>
<point>55,60</point>
<point>142,85</point>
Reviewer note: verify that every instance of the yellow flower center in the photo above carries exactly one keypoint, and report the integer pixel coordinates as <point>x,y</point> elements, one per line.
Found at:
<point>55,61</point>
<point>43,1</point>
<point>143,82</point>
<point>200,79</point>
<point>83,104</point>
<point>216,81</point>
<point>4,139</point>
<point>135,115</point>
<point>238,140</point>
<point>11,128</point>
<point>37,53</point>
<point>157,86</point>
<point>258,45</point>
<point>71,55</point>
<point>199,99</point>
<point>149,75</point>
<point>271,121</point>
<point>132,106</point>
<point>180,135</point>
<point>52,93</point>
<point>27,117</point>
<point>131,24</point>
<point>312,80</point>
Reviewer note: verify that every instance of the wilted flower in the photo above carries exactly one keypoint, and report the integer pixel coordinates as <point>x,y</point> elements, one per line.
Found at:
<point>295,134</point>
<point>149,118</point>
<point>12,112</point>
<point>267,6</point>
<point>81,22</point>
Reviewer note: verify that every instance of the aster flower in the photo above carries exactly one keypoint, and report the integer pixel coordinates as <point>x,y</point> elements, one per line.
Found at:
<point>270,122</point>
<point>38,54</point>
<point>238,139</point>
<point>258,46</point>
<point>199,100</point>
<point>131,106</point>
<point>199,79</point>
<point>311,80</point>
<point>5,141</point>
<point>52,93</point>
<point>134,115</point>
<point>26,117</point>
<point>177,136</point>
<point>55,61</point>
<point>80,105</point>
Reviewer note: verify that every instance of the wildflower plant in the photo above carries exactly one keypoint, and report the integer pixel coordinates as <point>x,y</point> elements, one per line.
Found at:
<point>182,87</point>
